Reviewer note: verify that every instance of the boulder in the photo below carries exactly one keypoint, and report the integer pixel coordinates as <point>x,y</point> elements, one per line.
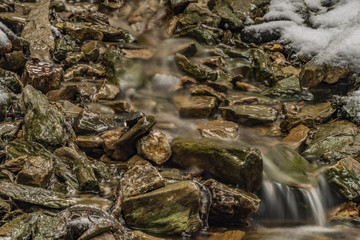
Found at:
<point>227,161</point>
<point>230,204</point>
<point>154,147</point>
<point>344,178</point>
<point>173,209</point>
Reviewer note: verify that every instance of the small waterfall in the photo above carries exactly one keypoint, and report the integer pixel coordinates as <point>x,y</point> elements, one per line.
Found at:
<point>288,204</point>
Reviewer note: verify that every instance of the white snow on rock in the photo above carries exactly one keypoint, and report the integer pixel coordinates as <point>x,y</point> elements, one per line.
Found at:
<point>328,30</point>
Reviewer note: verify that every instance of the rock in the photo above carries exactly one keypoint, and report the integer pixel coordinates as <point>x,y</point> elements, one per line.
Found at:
<point>196,14</point>
<point>14,165</point>
<point>225,160</point>
<point>179,5</point>
<point>64,46</point>
<point>37,26</point>
<point>140,179</point>
<point>173,209</point>
<point>199,72</point>
<point>122,71</point>
<point>170,46</point>
<point>81,31</point>
<point>227,235</point>
<point>69,92</point>
<point>9,129</point>
<point>106,92</point>
<point>286,89</point>
<point>5,43</point>
<point>230,204</point>
<point>344,211</point>
<point>80,70</point>
<point>91,50</point>
<point>13,61</point>
<point>236,13</point>
<point>110,137</point>
<point>324,81</point>
<point>348,107</point>
<point>42,76</point>
<point>36,172</point>
<point>10,80</point>
<point>120,106</point>
<point>196,106</point>
<point>139,235</point>
<point>125,145</point>
<point>218,129</point>
<point>34,195</point>
<point>203,90</point>
<point>145,54</point>
<point>309,115</point>
<point>73,58</point>
<point>44,123</point>
<point>164,82</point>
<point>89,141</point>
<point>249,114</point>
<point>296,137</point>
<point>239,98</point>
<point>343,177</point>
<point>5,102</point>
<point>264,72</point>
<point>334,141</point>
<point>154,147</point>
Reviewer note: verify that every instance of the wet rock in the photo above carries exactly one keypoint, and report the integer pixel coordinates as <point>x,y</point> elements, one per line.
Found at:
<point>171,46</point>
<point>202,33</point>
<point>264,72</point>
<point>91,50</point>
<point>226,160</point>
<point>236,13</point>
<point>73,58</point>
<point>91,122</point>
<point>240,98</point>
<point>42,76</point>
<point>218,129</point>
<point>296,136</point>
<point>68,92</point>
<point>145,54</point>
<point>37,26</point>
<point>13,61</point>
<point>309,115</point>
<point>140,179</point>
<point>82,31</point>
<point>154,147</point>
<point>34,195</point>
<point>334,141</point>
<point>288,88</point>
<point>199,72</point>
<point>249,114</point>
<point>343,177</point>
<point>227,235</point>
<point>347,107</point>
<point>106,92</point>
<point>64,46</point>
<point>122,71</point>
<point>10,80</point>
<point>203,90</point>
<point>196,13</point>
<point>230,204</point>
<point>9,129</point>
<point>44,123</point>
<point>344,212</point>
<point>89,141</point>
<point>125,145</point>
<point>18,228</point>
<point>179,5</point>
<point>36,172</point>
<point>80,70</point>
<point>5,102</point>
<point>196,106</point>
<point>83,169</point>
<point>120,106</point>
<point>173,209</point>
<point>110,137</point>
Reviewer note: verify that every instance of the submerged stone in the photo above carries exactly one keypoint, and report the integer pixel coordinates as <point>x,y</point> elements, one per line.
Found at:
<point>199,72</point>
<point>227,161</point>
<point>196,106</point>
<point>230,204</point>
<point>173,209</point>
<point>344,178</point>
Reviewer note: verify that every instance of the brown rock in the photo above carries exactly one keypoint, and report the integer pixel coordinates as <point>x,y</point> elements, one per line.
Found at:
<point>36,172</point>
<point>218,129</point>
<point>138,53</point>
<point>89,141</point>
<point>43,76</point>
<point>110,137</point>
<point>154,147</point>
<point>296,136</point>
<point>344,210</point>
<point>204,90</point>
<point>196,106</point>
<point>246,87</point>
<point>104,236</point>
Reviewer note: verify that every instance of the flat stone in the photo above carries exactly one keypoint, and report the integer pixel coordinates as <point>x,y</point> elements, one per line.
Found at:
<point>218,129</point>
<point>89,141</point>
<point>140,179</point>
<point>204,90</point>
<point>91,50</point>
<point>154,147</point>
<point>249,114</point>
<point>296,136</point>
<point>196,106</point>
<point>240,98</point>
<point>36,172</point>
<point>344,178</point>
<point>173,209</point>
<point>230,204</point>
<point>228,161</point>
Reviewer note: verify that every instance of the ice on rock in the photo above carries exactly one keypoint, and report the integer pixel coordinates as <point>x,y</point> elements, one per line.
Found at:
<point>328,30</point>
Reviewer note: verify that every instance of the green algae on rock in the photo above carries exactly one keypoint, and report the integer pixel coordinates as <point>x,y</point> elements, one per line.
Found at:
<point>173,209</point>
<point>227,161</point>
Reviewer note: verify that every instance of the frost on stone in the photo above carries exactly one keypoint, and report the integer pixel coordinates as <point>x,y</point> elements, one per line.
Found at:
<point>328,30</point>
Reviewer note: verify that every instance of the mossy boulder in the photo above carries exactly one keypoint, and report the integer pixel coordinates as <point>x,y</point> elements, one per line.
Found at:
<point>227,161</point>
<point>173,209</point>
<point>334,141</point>
<point>344,178</point>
